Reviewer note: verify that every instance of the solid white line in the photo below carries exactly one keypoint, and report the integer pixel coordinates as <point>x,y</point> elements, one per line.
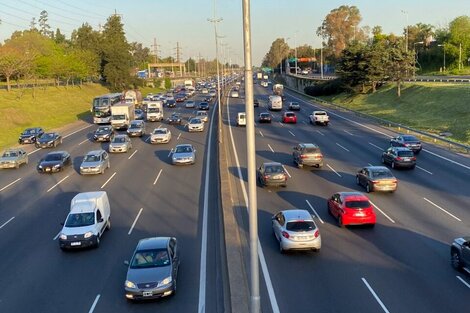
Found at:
<point>94,304</point>
<point>424,170</point>
<point>56,236</point>
<point>108,180</point>
<point>291,133</point>
<point>315,212</point>
<point>262,260</point>
<point>342,147</point>
<point>376,146</point>
<point>10,184</point>
<point>463,281</point>
<point>179,135</point>
<point>135,221</point>
<point>130,157</point>
<point>83,142</point>
<point>79,130</point>
<point>58,183</point>
<point>203,262</point>
<point>34,151</point>
<point>286,171</point>
<point>261,133</point>
<point>333,170</point>
<point>320,133</point>
<point>443,210</point>
<point>270,148</point>
<point>444,158</point>
<point>375,295</point>
<point>389,218</point>
<point>281,124</point>
<point>11,219</point>
<point>148,139</point>
<point>171,151</point>
<point>158,176</point>
<point>348,132</point>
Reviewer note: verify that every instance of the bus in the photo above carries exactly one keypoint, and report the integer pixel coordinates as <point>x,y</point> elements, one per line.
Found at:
<point>101,107</point>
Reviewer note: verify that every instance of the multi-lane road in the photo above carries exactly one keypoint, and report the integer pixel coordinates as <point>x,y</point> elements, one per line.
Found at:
<point>401,265</point>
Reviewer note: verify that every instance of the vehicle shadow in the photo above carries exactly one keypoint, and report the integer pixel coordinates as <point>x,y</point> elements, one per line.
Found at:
<point>85,116</point>
<point>76,162</point>
<point>234,171</point>
<point>164,156</point>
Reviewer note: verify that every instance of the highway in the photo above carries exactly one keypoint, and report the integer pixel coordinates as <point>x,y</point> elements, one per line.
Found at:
<point>401,265</point>
<point>148,197</point>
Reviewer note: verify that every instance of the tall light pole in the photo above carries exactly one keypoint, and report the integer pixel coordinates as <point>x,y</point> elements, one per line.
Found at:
<point>295,47</point>
<point>251,157</point>
<point>321,59</point>
<point>407,34</point>
<point>416,56</point>
<point>460,56</point>
<point>444,49</point>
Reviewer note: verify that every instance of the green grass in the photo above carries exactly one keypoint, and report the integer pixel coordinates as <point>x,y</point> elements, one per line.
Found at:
<point>50,108</point>
<point>434,108</point>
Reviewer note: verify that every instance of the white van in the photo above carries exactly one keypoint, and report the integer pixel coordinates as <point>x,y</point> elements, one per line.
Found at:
<point>241,119</point>
<point>154,111</point>
<point>89,217</point>
<point>275,103</point>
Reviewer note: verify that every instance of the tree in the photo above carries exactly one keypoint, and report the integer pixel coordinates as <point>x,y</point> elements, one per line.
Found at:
<point>86,38</point>
<point>12,62</point>
<point>279,51</point>
<point>59,37</point>
<point>140,55</point>
<point>399,62</point>
<point>352,66</point>
<point>44,27</point>
<point>459,39</point>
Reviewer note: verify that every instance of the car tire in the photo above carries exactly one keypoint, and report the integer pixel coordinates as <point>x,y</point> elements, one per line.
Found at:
<point>97,243</point>
<point>340,222</point>
<point>281,249</point>
<point>108,225</point>
<point>455,260</point>
<point>369,188</point>
<point>393,165</point>
<point>357,181</point>
<point>383,160</point>
<point>36,145</point>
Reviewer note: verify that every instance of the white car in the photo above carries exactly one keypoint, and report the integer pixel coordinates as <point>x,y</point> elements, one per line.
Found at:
<point>202,115</point>
<point>190,104</point>
<point>205,90</point>
<point>160,135</point>
<point>234,94</point>
<point>195,125</point>
<point>319,117</point>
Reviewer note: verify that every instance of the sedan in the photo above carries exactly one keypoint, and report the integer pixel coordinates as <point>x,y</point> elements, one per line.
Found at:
<point>351,208</point>
<point>103,133</point>
<point>136,128</point>
<point>207,99</point>
<point>376,178</point>
<point>54,162</point>
<point>203,116</point>
<point>120,143</point>
<point>264,117</point>
<point>294,106</point>
<point>272,174</point>
<point>190,104</point>
<point>184,154</point>
<point>195,125</point>
<point>307,154</point>
<point>203,106</point>
<point>160,135</point>
<point>289,117</point>
<point>48,140</point>
<point>408,141</point>
<point>95,162</point>
<point>180,98</point>
<point>234,94</point>
<point>139,114</point>
<point>29,135</point>
<point>296,230</point>
<point>175,118</point>
<point>153,270</point>
<point>399,157</point>
<point>13,158</point>
<point>171,103</point>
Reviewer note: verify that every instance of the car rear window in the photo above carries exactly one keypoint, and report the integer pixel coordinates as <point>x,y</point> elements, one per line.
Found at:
<point>320,113</point>
<point>357,204</point>
<point>274,169</point>
<point>290,114</point>
<point>312,150</point>
<point>382,174</point>
<point>410,138</point>
<point>405,153</point>
<point>300,226</point>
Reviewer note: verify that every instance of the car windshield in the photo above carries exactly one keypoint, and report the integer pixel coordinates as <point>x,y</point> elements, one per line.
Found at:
<point>47,136</point>
<point>183,149</point>
<point>175,116</point>
<point>91,158</point>
<point>195,121</point>
<point>10,154</point>
<point>119,139</point>
<point>294,104</point>
<point>381,174</point>
<point>274,169</point>
<point>159,131</point>
<point>264,115</point>
<point>357,204</point>
<point>136,125</point>
<point>405,154</point>
<point>150,258</point>
<point>300,226</point>
<point>29,132</point>
<point>119,117</point>
<point>138,111</point>
<point>80,219</point>
<point>53,157</point>
<point>103,130</point>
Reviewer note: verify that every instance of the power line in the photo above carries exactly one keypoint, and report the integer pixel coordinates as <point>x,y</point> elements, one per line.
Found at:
<point>72,12</point>
<point>12,24</point>
<point>77,8</point>
<point>35,15</point>
<point>16,16</point>
<point>39,8</point>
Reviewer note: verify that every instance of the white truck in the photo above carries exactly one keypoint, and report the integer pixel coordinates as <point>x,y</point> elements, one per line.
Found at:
<point>319,117</point>
<point>278,90</point>
<point>275,103</point>
<point>122,114</point>
<point>154,111</point>
<point>132,96</point>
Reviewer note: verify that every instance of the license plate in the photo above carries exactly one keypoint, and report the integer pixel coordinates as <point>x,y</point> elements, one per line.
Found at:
<point>406,159</point>
<point>278,177</point>
<point>76,243</point>
<point>48,169</point>
<point>302,237</point>
<point>147,294</point>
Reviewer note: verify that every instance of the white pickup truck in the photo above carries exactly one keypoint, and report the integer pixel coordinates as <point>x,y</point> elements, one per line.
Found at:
<point>319,117</point>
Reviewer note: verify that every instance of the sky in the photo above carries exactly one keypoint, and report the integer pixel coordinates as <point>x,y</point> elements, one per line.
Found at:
<point>186,21</point>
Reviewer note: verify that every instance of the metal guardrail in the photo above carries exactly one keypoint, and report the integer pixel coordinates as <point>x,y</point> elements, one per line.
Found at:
<point>449,144</point>
<point>415,79</point>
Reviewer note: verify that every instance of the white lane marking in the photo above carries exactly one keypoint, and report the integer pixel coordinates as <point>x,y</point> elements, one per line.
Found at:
<point>449,160</point>
<point>348,132</point>
<point>320,133</point>
<point>94,304</point>
<point>148,139</point>
<point>443,210</point>
<point>56,236</point>
<point>130,157</point>
<point>10,184</point>
<point>315,212</point>
<point>58,183</point>
<point>135,221</point>
<point>108,180</point>
<point>261,133</point>
<point>375,295</point>
<point>262,260</point>
<point>34,151</point>
<point>384,214</point>
<point>291,133</point>
<point>333,170</point>
<point>270,148</point>
<point>286,171</point>
<point>83,142</point>
<point>11,219</point>
<point>158,176</point>
<point>171,151</point>
<point>179,135</point>
<point>463,281</point>
<point>376,146</point>
<point>79,130</point>
<point>203,261</point>
<point>424,170</point>
<point>342,147</point>
<point>304,122</point>
<point>281,124</point>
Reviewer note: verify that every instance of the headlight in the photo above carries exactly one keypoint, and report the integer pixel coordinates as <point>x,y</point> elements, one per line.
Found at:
<point>106,136</point>
<point>63,237</point>
<point>164,282</point>
<point>88,234</point>
<point>130,284</point>
<point>50,142</point>
<point>39,166</point>
<point>56,166</point>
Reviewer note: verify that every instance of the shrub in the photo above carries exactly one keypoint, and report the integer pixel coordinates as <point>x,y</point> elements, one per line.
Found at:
<point>328,88</point>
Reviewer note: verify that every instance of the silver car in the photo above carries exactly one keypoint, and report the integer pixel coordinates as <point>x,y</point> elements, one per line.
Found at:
<point>160,135</point>
<point>120,143</point>
<point>184,154</point>
<point>203,116</point>
<point>195,125</point>
<point>95,162</point>
<point>190,104</point>
<point>296,230</point>
<point>136,128</point>
<point>13,158</point>
<point>153,270</point>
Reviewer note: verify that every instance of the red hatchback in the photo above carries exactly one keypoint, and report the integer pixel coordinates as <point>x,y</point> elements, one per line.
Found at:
<point>351,208</point>
<point>289,117</point>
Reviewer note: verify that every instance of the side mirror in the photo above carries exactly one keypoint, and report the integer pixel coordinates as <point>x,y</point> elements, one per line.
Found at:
<point>101,220</point>
<point>126,262</point>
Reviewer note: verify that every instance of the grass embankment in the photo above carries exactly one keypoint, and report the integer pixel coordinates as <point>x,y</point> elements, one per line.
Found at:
<point>433,108</point>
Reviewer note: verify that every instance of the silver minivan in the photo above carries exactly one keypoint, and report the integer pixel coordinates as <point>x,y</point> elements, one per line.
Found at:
<point>95,162</point>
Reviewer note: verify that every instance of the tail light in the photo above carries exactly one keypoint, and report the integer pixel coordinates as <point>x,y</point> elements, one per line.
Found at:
<point>303,156</point>
<point>399,158</point>
<point>413,158</point>
<point>317,233</point>
<point>266,177</point>
<point>319,156</point>
<point>285,234</point>
<point>374,181</point>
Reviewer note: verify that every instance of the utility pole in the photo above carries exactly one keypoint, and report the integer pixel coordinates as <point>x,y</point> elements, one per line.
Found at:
<point>155,50</point>
<point>295,49</point>
<point>407,34</point>
<point>460,56</point>
<point>178,57</point>
<point>321,59</point>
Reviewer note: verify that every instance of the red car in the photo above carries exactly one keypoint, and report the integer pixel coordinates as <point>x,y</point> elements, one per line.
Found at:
<point>351,208</point>
<point>289,117</point>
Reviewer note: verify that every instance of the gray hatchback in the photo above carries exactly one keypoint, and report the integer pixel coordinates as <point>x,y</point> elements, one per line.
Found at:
<point>272,174</point>
<point>307,154</point>
<point>95,162</point>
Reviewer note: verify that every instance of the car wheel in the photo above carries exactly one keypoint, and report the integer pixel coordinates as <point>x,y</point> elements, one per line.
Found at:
<point>393,164</point>
<point>55,144</point>
<point>109,165</point>
<point>36,145</point>
<point>102,171</point>
<point>108,226</point>
<point>97,243</point>
<point>340,221</point>
<point>455,260</point>
<point>281,249</point>
<point>357,181</point>
<point>383,160</point>
<point>17,165</point>
<point>299,165</point>
<point>368,188</point>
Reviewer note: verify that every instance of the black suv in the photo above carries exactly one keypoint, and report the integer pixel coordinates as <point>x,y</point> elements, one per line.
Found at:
<point>30,135</point>
<point>460,254</point>
<point>399,157</point>
<point>408,141</point>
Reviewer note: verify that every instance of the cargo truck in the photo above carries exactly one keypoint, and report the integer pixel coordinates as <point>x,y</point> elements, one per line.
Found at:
<point>122,114</point>
<point>132,96</point>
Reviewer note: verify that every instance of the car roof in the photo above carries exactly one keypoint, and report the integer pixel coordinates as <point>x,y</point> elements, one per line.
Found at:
<point>377,168</point>
<point>95,152</point>
<point>56,152</point>
<point>308,145</point>
<point>120,135</point>
<point>153,243</point>
<point>185,145</point>
<point>297,214</point>
<point>353,195</point>
<point>161,128</point>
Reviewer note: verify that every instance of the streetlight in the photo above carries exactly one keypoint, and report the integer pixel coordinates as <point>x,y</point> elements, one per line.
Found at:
<point>295,49</point>
<point>407,35</point>
<point>444,49</point>
<point>416,56</point>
